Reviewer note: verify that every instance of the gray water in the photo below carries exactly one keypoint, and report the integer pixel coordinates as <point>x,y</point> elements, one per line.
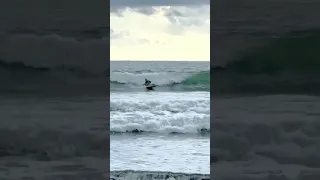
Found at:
<point>266,137</point>
<point>265,103</point>
<point>53,138</point>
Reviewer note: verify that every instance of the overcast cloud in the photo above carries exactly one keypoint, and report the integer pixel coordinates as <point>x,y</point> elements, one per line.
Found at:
<point>160,30</point>
<point>133,3</point>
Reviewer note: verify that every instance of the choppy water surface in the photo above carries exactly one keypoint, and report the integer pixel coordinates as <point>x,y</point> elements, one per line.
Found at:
<point>52,138</point>
<point>271,136</point>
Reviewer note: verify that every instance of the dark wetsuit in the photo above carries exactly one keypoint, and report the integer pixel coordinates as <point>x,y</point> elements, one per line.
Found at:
<point>147,82</point>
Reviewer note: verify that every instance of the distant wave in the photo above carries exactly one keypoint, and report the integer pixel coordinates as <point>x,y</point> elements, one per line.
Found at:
<point>21,67</point>
<point>170,80</point>
<point>18,77</point>
<point>139,175</point>
<point>290,63</point>
<point>54,51</point>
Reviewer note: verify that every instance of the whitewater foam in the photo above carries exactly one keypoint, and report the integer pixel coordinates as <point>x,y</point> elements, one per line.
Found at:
<point>45,144</point>
<point>277,138</point>
<point>49,137</point>
<point>160,112</point>
<point>139,175</point>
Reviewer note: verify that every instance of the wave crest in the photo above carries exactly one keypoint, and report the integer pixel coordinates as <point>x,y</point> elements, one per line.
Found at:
<point>19,78</point>
<point>287,64</point>
<point>200,80</point>
<point>298,52</point>
<point>51,51</point>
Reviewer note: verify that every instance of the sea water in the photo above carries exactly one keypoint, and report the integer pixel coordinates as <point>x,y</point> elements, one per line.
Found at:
<point>165,130</point>
<point>265,92</point>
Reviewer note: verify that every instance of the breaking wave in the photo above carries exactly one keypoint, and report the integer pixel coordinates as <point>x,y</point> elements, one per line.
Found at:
<point>171,80</point>
<point>187,127</point>
<point>45,144</point>
<point>289,63</point>
<point>17,77</point>
<point>168,125</point>
<point>20,66</point>
<point>277,134</point>
<point>139,175</point>
<point>51,63</point>
<point>166,113</point>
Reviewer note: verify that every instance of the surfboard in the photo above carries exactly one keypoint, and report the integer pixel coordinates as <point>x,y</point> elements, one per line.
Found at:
<point>150,87</point>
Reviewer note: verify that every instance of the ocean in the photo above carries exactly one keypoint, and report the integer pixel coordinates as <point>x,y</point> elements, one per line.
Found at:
<point>54,91</point>
<point>161,132</point>
<point>49,128</point>
<point>53,138</point>
<point>265,90</point>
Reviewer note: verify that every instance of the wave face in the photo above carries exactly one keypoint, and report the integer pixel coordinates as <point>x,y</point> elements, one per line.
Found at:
<point>289,63</point>
<point>19,78</point>
<point>167,78</point>
<point>164,80</point>
<point>48,59</point>
<point>55,35</point>
<point>49,50</point>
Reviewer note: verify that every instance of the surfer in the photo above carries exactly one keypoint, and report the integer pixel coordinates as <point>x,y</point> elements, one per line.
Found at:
<point>147,82</point>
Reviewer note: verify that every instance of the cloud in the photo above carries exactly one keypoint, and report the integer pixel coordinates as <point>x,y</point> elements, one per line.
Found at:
<point>145,32</point>
<point>132,3</point>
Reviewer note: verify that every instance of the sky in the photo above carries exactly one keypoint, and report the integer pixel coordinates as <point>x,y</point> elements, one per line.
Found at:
<point>160,30</point>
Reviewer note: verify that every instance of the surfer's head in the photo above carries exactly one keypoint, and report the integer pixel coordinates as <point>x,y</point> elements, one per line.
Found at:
<point>145,79</point>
